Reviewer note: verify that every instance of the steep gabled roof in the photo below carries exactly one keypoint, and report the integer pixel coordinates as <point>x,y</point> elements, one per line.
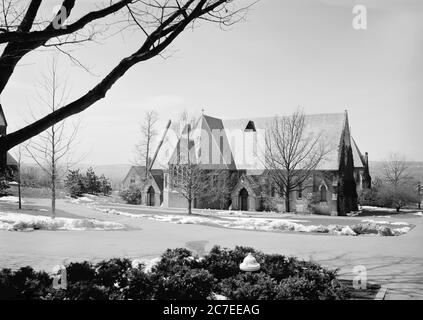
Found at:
<point>329,125</point>
<point>11,161</point>
<point>3,121</point>
<point>359,160</point>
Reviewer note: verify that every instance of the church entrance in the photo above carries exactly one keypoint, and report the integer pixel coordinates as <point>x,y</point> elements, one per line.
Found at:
<point>243,199</point>
<point>150,197</point>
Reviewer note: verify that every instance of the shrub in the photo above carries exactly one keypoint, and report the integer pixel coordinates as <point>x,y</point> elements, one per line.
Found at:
<point>75,183</point>
<point>112,274</point>
<point>192,284</point>
<point>173,261</point>
<point>24,283</point>
<point>83,271</point>
<point>131,196</point>
<point>368,197</point>
<point>397,197</point>
<point>105,186</point>
<point>249,286</point>
<point>139,286</point>
<point>78,184</point>
<point>303,288</point>
<point>269,204</point>
<point>81,290</point>
<point>180,275</point>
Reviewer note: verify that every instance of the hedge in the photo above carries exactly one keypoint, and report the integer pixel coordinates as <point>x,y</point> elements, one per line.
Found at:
<point>181,275</point>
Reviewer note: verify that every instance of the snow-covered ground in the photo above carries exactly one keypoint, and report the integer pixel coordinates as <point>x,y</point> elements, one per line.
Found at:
<point>269,224</point>
<point>10,199</point>
<point>383,209</point>
<point>246,221</point>
<point>25,222</point>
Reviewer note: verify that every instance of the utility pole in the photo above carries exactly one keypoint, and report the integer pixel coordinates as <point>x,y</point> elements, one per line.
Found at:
<point>419,192</point>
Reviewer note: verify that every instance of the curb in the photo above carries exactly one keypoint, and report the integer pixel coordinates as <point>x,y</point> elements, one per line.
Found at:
<point>381,293</point>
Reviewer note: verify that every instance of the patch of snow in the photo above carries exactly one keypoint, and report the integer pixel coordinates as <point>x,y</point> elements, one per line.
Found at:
<point>26,222</point>
<point>136,263</point>
<point>399,223</point>
<point>271,224</point>
<point>400,231</point>
<point>375,221</point>
<point>419,214</point>
<point>43,210</point>
<point>10,199</point>
<point>82,200</point>
<point>346,231</point>
<point>215,296</point>
<point>372,208</point>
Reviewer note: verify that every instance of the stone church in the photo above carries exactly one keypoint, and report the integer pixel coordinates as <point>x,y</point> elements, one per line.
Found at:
<point>237,146</point>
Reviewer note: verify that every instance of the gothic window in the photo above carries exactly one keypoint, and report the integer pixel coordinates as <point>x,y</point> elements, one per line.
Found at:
<point>273,191</point>
<point>174,175</point>
<point>323,193</point>
<point>300,191</point>
<point>250,126</point>
<point>166,180</point>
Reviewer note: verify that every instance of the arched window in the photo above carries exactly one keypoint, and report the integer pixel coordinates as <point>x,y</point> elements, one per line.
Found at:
<point>273,191</point>
<point>300,191</point>
<point>323,193</point>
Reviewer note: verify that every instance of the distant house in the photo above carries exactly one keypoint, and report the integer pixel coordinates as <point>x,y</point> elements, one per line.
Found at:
<point>151,187</point>
<point>234,146</point>
<point>11,164</point>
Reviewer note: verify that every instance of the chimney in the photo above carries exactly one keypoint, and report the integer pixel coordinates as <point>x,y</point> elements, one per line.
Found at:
<point>367,158</point>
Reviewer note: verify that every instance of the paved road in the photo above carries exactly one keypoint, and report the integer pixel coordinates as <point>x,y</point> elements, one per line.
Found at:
<point>394,261</point>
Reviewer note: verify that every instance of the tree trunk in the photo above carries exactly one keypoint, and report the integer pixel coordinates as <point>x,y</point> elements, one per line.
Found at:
<point>19,189</point>
<point>287,204</point>
<point>53,198</point>
<point>189,206</point>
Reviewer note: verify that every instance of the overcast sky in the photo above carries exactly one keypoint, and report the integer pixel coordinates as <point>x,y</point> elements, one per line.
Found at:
<point>287,54</point>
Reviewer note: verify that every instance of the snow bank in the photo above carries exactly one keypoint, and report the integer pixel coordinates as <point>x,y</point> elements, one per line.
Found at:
<point>375,221</point>
<point>376,209</point>
<point>147,264</point>
<point>10,199</point>
<point>82,200</point>
<point>269,224</point>
<point>26,222</point>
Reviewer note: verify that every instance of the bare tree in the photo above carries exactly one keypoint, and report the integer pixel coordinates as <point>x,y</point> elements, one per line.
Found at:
<point>395,170</point>
<point>159,21</point>
<point>148,134</point>
<point>291,155</point>
<point>51,149</point>
<point>191,181</point>
<point>398,189</point>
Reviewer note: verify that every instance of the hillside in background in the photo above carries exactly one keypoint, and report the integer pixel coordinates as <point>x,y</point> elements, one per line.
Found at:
<point>415,169</point>
<point>114,172</point>
<point>117,172</point>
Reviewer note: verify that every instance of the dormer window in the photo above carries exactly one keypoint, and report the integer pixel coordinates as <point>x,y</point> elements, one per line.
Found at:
<point>250,126</point>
